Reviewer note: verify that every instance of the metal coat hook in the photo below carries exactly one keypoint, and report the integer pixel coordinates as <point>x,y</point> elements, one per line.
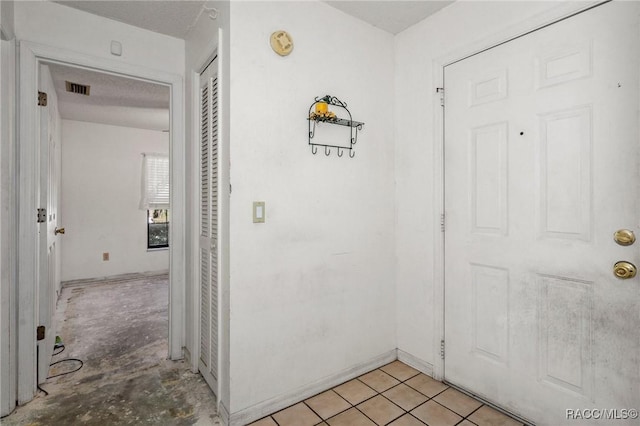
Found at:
<point>354,138</point>
<point>319,112</point>
<point>312,131</point>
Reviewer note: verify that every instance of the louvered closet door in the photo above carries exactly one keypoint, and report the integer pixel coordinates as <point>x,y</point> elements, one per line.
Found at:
<point>208,362</point>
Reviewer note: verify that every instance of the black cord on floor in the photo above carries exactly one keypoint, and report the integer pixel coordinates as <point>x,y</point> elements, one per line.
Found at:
<point>45,392</point>
<point>60,351</point>
<point>67,372</point>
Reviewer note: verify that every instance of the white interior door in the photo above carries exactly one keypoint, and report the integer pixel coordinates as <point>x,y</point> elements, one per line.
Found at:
<point>49,170</point>
<point>541,168</point>
<point>208,361</point>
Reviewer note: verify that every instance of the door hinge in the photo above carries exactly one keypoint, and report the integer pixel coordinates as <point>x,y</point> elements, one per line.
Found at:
<point>230,189</point>
<point>40,331</point>
<point>440,91</point>
<point>42,215</point>
<point>442,222</point>
<point>42,99</point>
<point>442,348</point>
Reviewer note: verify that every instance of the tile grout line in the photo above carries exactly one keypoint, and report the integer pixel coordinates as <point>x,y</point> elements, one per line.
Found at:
<point>343,398</point>
<point>453,411</point>
<point>377,393</point>
<point>417,419</point>
<point>373,421</point>
<point>471,413</point>
<point>322,419</point>
<point>380,394</point>
<point>312,410</point>
<point>405,411</point>
<point>400,382</point>
<point>432,399</point>
<point>349,402</point>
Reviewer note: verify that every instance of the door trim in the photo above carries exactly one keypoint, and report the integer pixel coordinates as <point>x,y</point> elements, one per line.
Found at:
<point>531,24</point>
<point>30,56</point>
<point>8,228</point>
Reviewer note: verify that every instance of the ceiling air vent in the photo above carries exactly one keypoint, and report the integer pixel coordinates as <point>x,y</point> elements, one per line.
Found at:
<point>80,89</point>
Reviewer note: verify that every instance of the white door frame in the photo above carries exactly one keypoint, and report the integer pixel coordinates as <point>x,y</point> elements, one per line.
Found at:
<point>534,23</point>
<point>31,55</point>
<point>8,231</point>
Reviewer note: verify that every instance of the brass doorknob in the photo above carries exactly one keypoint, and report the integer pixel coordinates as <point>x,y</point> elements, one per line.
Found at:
<point>624,270</point>
<point>58,231</point>
<point>624,237</point>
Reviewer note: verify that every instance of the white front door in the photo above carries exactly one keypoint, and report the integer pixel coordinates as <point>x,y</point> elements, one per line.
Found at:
<point>541,168</point>
<point>208,253</point>
<point>49,168</point>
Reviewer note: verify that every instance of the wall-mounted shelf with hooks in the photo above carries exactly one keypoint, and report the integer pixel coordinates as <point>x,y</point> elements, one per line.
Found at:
<point>319,113</point>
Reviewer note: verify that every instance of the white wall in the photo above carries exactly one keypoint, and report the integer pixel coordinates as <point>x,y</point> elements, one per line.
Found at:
<point>6,19</point>
<point>101,190</point>
<point>457,30</point>
<point>312,289</point>
<point>118,115</point>
<point>55,25</point>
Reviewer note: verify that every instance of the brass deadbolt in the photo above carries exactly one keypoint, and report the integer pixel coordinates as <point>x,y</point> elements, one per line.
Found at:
<point>58,231</point>
<point>624,270</point>
<point>624,237</point>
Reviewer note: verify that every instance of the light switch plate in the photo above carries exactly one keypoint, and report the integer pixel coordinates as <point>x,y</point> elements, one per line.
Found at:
<point>116,48</point>
<point>258,212</point>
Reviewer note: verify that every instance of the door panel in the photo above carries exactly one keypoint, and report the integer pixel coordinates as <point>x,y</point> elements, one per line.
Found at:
<point>208,360</point>
<point>49,169</point>
<point>541,168</point>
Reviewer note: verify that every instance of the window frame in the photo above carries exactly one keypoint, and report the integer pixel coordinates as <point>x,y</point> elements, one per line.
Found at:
<point>149,223</point>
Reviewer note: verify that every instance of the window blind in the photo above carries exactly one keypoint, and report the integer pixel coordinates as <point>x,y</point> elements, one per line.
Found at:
<point>155,181</point>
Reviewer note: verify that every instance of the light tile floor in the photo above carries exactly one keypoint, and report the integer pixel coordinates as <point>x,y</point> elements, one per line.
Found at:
<point>395,395</point>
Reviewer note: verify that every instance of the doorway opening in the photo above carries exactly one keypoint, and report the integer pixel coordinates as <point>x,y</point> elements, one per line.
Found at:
<point>108,210</point>
<point>104,215</point>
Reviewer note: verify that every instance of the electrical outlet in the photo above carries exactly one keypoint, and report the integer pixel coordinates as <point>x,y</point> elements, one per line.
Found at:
<point>105,257</point>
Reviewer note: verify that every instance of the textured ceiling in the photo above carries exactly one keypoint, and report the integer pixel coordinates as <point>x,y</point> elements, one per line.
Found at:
<point>176,17</point>
<point>392,16</point>
<point>113,99</point>
<point>173,18</point>
<point>128,102</point>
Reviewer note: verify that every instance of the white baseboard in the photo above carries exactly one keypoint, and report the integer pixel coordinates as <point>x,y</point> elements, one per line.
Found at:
<point>417,363</point>
<point>114,278</point>
<point>223,413</point>
<point>270,406</point>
